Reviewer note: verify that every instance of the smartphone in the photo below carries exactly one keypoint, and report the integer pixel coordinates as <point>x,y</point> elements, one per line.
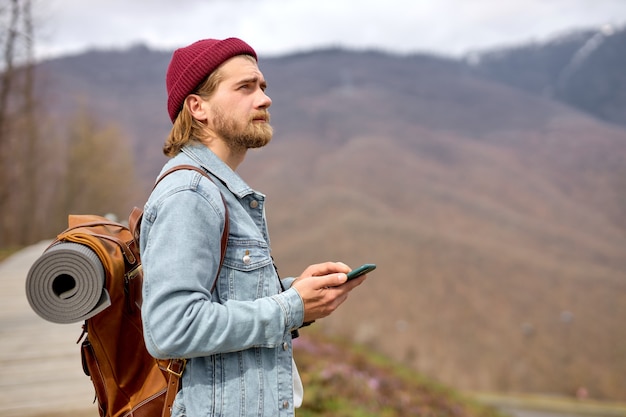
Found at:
<point>363,269</point>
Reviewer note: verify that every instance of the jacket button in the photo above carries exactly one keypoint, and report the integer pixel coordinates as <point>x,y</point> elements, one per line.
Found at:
<point>285,404</point>
<point>285,345</point>
<point>254,204</point>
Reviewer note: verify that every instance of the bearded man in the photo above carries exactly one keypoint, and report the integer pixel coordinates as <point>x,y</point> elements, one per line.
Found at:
<point>235,323</point>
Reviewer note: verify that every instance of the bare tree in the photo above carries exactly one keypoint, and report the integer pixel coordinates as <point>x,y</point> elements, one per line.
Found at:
<point>9,39</point>
<point>86,169</point>
<point>31,151</point>
<point>16,99</point>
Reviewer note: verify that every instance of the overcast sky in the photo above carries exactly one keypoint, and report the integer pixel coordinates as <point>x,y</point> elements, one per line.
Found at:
<point>275,27</point>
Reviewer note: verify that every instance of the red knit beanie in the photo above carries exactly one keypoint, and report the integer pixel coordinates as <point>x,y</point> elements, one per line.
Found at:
<point>192,64</point>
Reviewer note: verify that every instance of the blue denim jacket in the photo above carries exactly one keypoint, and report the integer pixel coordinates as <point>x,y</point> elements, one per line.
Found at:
<point>238,338</point>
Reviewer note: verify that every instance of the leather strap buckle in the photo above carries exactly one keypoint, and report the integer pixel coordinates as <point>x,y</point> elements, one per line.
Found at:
<point>177,367</point>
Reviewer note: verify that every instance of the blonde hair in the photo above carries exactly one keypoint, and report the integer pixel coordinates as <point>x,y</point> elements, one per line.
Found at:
<point>186,128</point>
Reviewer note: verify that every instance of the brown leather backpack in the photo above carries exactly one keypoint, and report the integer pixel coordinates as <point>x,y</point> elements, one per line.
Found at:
<point>128,381</point>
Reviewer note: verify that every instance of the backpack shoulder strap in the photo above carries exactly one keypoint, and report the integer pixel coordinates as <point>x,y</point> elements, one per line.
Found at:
<point>178,168</point>
<point>134,220</point>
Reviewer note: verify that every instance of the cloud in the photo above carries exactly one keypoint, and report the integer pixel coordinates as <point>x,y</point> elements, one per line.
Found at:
<point>280,26</point>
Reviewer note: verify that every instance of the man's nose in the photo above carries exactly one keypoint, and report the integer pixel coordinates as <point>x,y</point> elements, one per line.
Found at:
<point>265,101</point>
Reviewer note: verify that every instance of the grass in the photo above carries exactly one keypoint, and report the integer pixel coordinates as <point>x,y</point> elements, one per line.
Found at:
<point>6,252</point>
<point>343,380</point>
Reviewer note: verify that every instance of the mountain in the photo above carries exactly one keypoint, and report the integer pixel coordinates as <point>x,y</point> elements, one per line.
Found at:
<point>585,69</point>
<point>496,213</point>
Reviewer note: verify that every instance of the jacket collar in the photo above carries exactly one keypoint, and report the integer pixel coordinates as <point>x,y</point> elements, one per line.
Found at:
<point>204,157</point>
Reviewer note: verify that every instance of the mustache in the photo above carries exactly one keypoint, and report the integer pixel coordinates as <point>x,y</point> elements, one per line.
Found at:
<point>262,115</point>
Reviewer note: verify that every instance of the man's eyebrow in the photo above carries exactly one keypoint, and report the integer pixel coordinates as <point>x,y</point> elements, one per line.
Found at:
<point>253,80</point>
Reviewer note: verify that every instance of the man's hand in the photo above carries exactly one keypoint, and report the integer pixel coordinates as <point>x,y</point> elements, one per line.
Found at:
<point>323,288</point>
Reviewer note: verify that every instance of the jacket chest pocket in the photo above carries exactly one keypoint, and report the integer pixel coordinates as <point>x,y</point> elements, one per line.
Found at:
<point>248,272</point>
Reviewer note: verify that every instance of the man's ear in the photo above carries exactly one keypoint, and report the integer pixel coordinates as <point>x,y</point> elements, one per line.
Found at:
<point>197,107</point>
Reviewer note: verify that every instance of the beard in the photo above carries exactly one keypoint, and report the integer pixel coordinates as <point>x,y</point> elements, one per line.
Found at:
<point>243,134</point>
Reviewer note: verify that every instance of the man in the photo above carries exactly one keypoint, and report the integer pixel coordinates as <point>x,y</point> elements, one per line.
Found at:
<point>238,336</point>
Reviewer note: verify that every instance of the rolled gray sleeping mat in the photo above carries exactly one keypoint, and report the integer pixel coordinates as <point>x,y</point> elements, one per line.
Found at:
<point>67,284</point>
